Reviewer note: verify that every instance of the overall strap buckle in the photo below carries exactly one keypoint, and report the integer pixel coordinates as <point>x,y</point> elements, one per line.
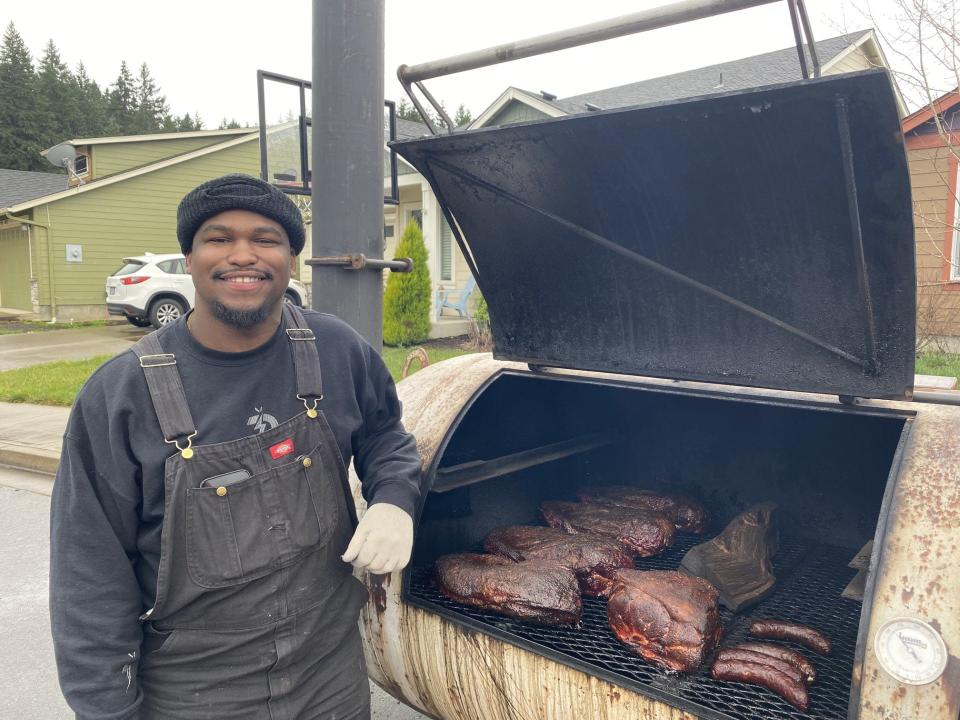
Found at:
<point>151,361</point>
<point>300,334</point>
<point>186,452</point>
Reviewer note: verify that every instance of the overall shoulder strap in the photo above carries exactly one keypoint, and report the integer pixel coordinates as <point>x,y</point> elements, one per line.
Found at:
<point>306,359</point>
<point>166,389</point>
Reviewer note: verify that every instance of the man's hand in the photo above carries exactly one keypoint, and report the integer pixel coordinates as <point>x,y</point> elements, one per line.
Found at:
<point>383,540</point>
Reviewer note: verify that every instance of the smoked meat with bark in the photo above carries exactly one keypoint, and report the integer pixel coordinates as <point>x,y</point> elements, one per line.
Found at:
<point>594,559</point>
<point>533,590</point>
<point>645,532</point>
<point>684,512</point>
<point>666,617</point>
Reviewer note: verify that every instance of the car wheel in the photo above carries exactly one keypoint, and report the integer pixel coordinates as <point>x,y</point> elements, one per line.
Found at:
<point>165,311</point>
<point>138,322</point>
<point>291,297</point>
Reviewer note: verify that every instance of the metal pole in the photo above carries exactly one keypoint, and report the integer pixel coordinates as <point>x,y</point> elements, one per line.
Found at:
<point>652,19</point>
<point>347,189</point>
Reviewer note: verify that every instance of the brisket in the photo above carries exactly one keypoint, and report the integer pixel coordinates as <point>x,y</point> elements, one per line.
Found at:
<point>533,590</point>
<point>594,558</point>
<point>686,513</point>
<point>644,531</point>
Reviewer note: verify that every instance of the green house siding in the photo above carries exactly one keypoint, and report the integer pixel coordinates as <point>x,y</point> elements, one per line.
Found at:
<point>15,270</point>
<point>514,112</point>
<point>126,218</point>
<point>111,158</point>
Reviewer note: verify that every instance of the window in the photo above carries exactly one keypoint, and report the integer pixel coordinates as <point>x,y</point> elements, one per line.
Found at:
<point>80,165</point>
<point>174,267</point>
<point>129,267</point>
<point>417,215</point>
<point>446,251</point>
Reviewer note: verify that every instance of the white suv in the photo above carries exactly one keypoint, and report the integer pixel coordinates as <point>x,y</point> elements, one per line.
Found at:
<point>156,290</point>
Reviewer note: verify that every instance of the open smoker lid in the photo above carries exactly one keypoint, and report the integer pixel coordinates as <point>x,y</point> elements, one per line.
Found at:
<point>758,238</point>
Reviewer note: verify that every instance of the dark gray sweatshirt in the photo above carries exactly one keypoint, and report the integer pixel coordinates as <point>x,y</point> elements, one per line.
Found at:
<point>107,509</point>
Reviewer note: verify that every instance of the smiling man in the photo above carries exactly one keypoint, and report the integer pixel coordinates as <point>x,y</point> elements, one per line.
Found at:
<point>202,522</point>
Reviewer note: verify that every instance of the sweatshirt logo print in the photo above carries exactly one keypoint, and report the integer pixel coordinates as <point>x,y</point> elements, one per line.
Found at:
<point>262,421</point>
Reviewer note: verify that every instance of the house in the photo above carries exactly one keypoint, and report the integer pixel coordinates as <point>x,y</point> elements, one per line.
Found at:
<point>58,247</point>
<point>16,259</point>
<point>931,135</point>
<point>846,53</point>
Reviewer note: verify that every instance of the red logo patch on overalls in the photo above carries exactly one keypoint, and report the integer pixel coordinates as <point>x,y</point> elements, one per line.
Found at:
<point>284,447</point>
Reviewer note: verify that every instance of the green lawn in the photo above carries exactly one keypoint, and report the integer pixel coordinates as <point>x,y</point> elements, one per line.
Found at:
<point>53,383</point>
<point>57,383</point>
<point>938,364</point>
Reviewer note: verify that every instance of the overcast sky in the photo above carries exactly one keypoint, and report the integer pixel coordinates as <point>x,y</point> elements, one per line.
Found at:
<point>204,54</point>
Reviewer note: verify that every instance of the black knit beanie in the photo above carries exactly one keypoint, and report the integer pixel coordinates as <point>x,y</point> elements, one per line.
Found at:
<point>237,192</point>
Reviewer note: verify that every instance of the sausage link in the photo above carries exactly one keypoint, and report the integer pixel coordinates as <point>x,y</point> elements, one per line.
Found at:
<point>794,657</point>
<point>760,659</point>
<point>778,630</point>
<point>765,676</point>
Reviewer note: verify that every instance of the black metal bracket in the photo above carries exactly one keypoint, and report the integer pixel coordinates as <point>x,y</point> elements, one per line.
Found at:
<point>359,261</point>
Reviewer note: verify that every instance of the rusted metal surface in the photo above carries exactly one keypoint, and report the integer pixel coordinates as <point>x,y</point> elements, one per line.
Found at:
<point>418,354</point>
<point>451,672</point>
<point>918,570</point>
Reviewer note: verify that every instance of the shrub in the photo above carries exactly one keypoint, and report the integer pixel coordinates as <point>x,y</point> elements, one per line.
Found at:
<point>480,336</point>
<point>406,301</point>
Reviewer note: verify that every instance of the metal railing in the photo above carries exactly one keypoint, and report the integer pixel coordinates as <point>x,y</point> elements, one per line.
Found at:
<point>663,16</point>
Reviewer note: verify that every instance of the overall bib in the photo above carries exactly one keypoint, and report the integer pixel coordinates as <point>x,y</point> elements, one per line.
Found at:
<point>256,614</point>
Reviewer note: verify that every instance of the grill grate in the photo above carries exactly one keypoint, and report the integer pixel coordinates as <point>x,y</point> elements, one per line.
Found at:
<point>810,579</point>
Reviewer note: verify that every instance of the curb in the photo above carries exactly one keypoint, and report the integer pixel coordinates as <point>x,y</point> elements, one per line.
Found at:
<point>24,457</point>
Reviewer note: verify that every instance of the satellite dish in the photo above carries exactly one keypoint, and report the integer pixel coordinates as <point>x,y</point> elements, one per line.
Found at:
<point>62,155</point>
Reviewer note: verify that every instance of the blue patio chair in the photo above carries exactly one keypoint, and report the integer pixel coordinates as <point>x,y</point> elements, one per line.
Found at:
<point>456,299</point>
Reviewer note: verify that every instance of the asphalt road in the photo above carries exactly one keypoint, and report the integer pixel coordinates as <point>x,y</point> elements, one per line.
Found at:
<point>23,349</point>
<point>28,678</point>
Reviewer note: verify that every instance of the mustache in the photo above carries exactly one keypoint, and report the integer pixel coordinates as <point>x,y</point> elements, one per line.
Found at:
<point>218,274</point>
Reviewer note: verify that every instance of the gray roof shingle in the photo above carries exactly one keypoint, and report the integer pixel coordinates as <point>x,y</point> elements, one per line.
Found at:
<point>768,69</point>
<point>17,186</point>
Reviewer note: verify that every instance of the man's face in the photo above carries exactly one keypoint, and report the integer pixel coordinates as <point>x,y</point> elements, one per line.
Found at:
<point>241,264</point>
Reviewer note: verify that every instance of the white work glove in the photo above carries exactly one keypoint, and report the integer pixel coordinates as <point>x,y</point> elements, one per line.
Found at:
<point>383,540</point>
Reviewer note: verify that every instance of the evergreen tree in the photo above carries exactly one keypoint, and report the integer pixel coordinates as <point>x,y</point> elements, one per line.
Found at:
<point>92,107</point>
<point>406,111</point>
<point>57,98</point>
<point>184,123</point>
<point>197,122</point>
<point>150,107</point>
<point>463,116</point>
<point>406,301</point>
<point>122,101</point>
<point>232,124</point>
<point>20,118</point>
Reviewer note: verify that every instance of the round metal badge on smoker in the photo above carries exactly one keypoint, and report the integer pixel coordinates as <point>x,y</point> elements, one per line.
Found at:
<point>911,651</point>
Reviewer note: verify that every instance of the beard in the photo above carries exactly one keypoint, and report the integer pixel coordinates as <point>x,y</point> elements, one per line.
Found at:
<point>242,319</point>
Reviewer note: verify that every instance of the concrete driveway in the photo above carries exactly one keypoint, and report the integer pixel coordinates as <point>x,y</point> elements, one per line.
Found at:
<point>21,350</point>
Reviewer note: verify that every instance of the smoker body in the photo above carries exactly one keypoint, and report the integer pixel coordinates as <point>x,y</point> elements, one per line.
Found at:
<point>714,296</point>
<point>895,478</point>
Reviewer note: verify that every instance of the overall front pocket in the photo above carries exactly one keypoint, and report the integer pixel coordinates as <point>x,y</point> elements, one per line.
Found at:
<point>239,532</point>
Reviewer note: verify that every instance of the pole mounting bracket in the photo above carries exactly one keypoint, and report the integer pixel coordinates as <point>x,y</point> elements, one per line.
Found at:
<point>359,261</point>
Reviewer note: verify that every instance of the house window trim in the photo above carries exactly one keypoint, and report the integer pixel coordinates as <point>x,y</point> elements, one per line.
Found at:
<point>951,244</point>
<point>453,257</point>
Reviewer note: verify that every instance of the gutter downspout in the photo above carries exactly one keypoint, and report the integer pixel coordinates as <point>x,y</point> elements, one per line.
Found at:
<point>49,234</point>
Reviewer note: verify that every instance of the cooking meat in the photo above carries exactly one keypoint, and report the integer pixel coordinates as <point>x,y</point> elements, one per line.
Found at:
<point>644,531</point>
<point>686,513</point>
<point>593,558</point>
<point>794,657</point>
<point>534,590</point>
<point>794,632</point>
<point>669,619</point>
<point>792,691</point>
<point>760,659</point>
